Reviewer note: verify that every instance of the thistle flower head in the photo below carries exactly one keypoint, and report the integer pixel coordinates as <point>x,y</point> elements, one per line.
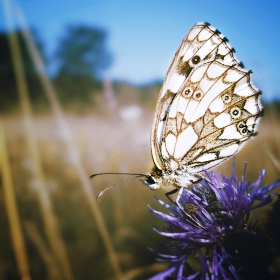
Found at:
<point>202,219</point>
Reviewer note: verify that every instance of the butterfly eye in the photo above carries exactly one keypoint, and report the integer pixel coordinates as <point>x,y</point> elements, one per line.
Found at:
<point>226,98</point>
<point>187,92</point>
<point>150,180</point>
<point>195,59</point>
<point>198,95</point>
<point>235,112</point>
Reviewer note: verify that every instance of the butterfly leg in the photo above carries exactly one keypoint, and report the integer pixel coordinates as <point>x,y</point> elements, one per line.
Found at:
<point>197,181</point>
<point>168,194</point>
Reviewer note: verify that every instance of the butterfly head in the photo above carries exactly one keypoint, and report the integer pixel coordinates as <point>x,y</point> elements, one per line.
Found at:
<point>169,179</point>
<point>151,182</point>
<point>154,180</point>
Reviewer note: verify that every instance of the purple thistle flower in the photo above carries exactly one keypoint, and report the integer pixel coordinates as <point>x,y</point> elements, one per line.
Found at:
<point>203,218</point>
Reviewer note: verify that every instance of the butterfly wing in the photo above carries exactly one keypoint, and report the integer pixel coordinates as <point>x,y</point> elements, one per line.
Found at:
<point>207,106</point>
<point>216,110</point>
<point>202,43</point>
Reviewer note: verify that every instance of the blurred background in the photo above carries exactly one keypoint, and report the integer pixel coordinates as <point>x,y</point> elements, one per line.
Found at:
<point>79,85</point>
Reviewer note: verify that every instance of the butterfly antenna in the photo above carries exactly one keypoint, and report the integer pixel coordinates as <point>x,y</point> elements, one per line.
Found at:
<point>102,192</point>
<point>116,173</point>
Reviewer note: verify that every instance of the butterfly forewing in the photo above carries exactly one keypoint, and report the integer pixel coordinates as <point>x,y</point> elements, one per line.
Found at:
<point>207,106</point>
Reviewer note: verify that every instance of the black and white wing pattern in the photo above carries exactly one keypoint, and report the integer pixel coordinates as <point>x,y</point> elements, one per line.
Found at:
<point>207,108</point>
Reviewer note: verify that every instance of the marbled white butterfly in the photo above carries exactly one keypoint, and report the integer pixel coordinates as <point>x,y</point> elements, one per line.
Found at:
<point>207,108</point>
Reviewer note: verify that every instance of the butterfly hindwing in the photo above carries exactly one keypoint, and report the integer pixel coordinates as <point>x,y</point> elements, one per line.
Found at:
<point>214,112</point>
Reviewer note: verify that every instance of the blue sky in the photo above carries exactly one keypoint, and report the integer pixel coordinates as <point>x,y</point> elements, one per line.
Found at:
<point>144,34</point>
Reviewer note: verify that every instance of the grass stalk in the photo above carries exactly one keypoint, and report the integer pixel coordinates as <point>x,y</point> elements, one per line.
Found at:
<point>12,211</point>
<point>47,256</point>
<point>49,218</point>
<point>70,142</point>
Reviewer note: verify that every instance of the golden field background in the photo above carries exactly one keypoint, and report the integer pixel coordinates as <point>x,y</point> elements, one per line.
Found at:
<point>106,139</point>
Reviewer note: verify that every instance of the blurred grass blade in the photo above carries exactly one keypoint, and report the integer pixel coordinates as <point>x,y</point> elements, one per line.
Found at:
<point>274,159</point>
<point>111,101</point>
<point>70,142</point>
<point>12,211</point>
<point>50,222</point>
<point>33,233</point>
<point>272,114</point>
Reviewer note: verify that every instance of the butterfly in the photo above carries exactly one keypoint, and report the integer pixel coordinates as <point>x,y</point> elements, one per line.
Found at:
<point>206,110</point>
